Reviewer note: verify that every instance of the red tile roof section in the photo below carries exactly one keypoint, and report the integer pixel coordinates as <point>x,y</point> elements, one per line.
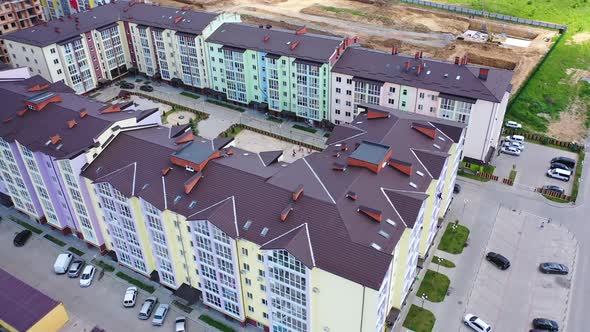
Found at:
<point>286,212</point>
<point>400,165</point>
<point>189,136</point>
<point>372,213</point>
<point>72,123</point>
<point>425,129</point>
<point>38,87</point>
<point>192,182</point>
<point>298,191</point>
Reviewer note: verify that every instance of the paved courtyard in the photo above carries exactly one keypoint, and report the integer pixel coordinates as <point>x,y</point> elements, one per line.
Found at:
<point>532,166</point>
<point>509,300</point>
<point>254,142</point>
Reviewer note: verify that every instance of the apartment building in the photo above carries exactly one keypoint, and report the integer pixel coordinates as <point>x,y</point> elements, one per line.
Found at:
<point>472,95</point>
<point>48,134</point>
<point>267,243</point>
<point>55,9</point>
<point>286,72</point>
<point>98,46</point>
<point>15,15</point>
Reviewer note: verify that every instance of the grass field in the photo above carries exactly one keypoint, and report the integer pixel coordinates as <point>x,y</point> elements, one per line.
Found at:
<point>454,238</point>
<point>434,286</point>
<point>549,91</point>
<point>419,319</point>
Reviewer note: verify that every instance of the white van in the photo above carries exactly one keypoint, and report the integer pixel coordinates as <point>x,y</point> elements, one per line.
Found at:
<point>559,174</point>
<point>62,263</point>
<point>515,138</point>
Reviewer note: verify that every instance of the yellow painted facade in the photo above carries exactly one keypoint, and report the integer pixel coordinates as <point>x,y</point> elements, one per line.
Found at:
<point>400,268</point>
<point>252,294</point>
<point>142,233</point>
<point>429,210</point>
<point>53,321</point>
<point>180,253</point>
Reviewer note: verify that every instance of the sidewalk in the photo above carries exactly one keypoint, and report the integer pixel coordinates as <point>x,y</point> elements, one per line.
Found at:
<point>219,114</point>
<point>162,293</point>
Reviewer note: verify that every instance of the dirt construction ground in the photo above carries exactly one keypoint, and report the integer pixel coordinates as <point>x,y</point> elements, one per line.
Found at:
<point>382,25</point>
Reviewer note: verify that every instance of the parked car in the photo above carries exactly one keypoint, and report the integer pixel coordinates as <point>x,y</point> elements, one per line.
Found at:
<point>62,263</point>
<point>130,297</point>
<point>126,85</point>
<point>476,323</point>
<point>180,324</point>
<point>569,162</point>
<point>500,261</point>
<point>515,138</point>
<point>560,166</point>
<point>457,188</point>
<point>75,268</point>
<point>513,124</point>
<point>554,188</point>
<point>559,174</point>
<point>517,145</point>
<point>545,324</point>
<point>146,88</point>
<point>21,238</point>
<point>553,268</point>
<point>87,276</point>
<point>511,150</point>
<point>147,307</point>
<point>160,314</point>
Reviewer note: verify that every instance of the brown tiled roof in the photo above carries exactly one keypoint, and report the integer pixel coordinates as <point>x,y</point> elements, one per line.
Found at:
<point>269,157</point>
<point>311,47</point>
<point>296,242</point>
<point>386,67</point>
<point>406,203</point>
<point>192,22</point>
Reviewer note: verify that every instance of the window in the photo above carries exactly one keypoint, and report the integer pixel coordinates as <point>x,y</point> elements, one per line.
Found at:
<point>246,267</point>
<point>261,273</point>
<point>348,103</point>
<point>244,251</point>
<point>391,101</point>
<point>263,288</point>
<point>250,308</point>
<point>349,81</point>
<point>260,258</point>
<point>337,101</point>
<point>249,295</point>
<point>391,89</point>
<point>432,109</point>
<point>421,95</point>
<point>263,301</point>
<point>347,114</point>
<point>420,107</point>
<point>403,104</point>
<point>338,79</point>
<point>348,92</point>
<point>248,281</point>
<point>337,111</point>
<point>59,71</point>
<point>338,90</point>
<point>265,315</point>
<point>405,92</point>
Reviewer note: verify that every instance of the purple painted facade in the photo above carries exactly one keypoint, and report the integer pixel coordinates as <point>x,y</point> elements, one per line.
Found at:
<point>130,43</point>
<point>93,55</point>
<point>27,180</point>
<point>77,164</point>
<point>55,193</point>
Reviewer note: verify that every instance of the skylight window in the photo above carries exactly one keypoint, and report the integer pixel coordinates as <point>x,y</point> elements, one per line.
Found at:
<point>413,185</point>
<point>436,146</point>
<point>192,205</point>
<point>177,199</point>
<point>264,231</point>
<point>375,246</point>
<point>458,77</point>
<point>384,234</point>
<point>391,222</point>
<point>247,225</point>
<point>441,138</point>
<point>419,173</point>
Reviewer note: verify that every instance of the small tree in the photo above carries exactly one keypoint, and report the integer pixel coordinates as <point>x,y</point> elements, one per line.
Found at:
<point>193,126</point>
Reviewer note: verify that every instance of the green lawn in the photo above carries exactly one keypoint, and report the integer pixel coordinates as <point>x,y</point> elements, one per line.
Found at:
<point>103,265</point>
<point>434,286</point>
<point>472,176</point>
<point>546,91</point>
<point>25,225</point>
<point>54,240</point>
<point>443,262</point>
<point>419,320</point>
<point>304,128</point>
<point>76,251</point>
<point>453,240</point>
<point>190,95</point>
<point>216,324</point>
<point>135,282</point>
<point>512,175</point>
<point>555,199</point>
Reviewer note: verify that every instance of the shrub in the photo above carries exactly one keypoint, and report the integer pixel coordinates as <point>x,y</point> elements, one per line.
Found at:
<point>135,282</point>
<point>216,324</point>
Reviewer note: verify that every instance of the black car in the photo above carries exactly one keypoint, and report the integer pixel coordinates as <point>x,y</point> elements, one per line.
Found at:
<point>146,88</point>
<point>560,166</point>
<point>553,268</point>
<point>554,188</point>
<point>500,261</point>
<point>545,324</point>
<point>457,188</point>
<point>126,85</point>
<point>569,162</point>
<point>21,238</point>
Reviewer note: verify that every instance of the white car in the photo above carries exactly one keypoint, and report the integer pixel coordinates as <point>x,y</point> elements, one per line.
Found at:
<point>160,314</point>
<point>515,144</point>
<point>180,325</point>
<point>511,150</point>
<point>130,297</point>
<point>513,124</point>
<point>476,323</point>
<point>87,275</point>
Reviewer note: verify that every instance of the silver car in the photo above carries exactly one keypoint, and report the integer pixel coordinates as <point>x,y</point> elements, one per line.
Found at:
<point>180,324</point>
<point>160,314</point>
<point>511,150</point>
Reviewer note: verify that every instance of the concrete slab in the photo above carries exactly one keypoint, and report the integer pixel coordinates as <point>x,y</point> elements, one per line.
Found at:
<point>254,142</point>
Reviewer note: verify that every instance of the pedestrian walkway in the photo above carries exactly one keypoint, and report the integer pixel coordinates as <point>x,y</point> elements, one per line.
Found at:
<point>220,116</point>
<point>162,293</point>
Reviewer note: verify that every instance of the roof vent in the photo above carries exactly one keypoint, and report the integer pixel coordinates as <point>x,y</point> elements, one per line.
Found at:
<point>402,166</point>
<point>83,113</point>
<point>301,31</point>
<point>55,139</point>
<point>294,45</point>
<point>72,123</point>
<point>351,195</point>
<point>375,246</point>
<point>337,154</point>
<point>370,212</point>
<point>192,182</point>
<point>58,30</point>
<point>266,38</point>
<point>298,191</point>
<point>339,167</point>
<point>166,170</point>
<point>286,211</point>
<point>344,147</point>
<point>446,75</point>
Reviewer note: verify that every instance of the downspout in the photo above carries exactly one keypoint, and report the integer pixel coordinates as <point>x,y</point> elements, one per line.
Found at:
<point>487,132</point>
<point>184,251</point>
<point>362,310</point>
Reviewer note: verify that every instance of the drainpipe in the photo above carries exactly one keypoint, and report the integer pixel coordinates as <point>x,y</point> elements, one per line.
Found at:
<point>362,309</point>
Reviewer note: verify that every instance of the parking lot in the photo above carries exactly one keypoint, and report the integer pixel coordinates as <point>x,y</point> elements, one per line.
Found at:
<point>100,304</point>
<point>532,166</point>
<point>509,300</point>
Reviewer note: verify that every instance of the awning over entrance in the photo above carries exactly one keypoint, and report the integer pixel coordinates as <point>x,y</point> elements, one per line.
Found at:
<point>187,293</point>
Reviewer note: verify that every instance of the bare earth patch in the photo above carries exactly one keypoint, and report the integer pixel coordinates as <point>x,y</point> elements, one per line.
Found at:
<point>575,75</point>
<point>570,126</point>
<point>579,38</point>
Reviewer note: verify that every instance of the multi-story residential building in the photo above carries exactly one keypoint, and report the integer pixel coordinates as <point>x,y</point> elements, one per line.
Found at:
<point>283,71</point>
<point>15,15</point>
<point>48,134</point>
<point>267,243</point>
<point>55,9</point>
<point>467,94</point>
<point>86,49</point>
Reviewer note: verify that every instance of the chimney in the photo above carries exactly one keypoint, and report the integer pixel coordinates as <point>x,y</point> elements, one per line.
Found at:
<point>55,139</point>
<point>294,45</point>
<point>417,55</point>
<point>72,123</point>
<point>166,170</point>
<point>58,30</point>
<point>394,50</point>
<point>192,182</point>
<point>83,113</point>
<point>407,65</point>
<point>301,31</point>
<point>483,74</point>
<point>344,147</point>
<point>351,195</point>
<point>419,70</point>
<point>298,191</point>
<point>177,19</point>
<point>266,38</point>
<point>457,59</point>
<point>285,212</point>
<point>421,54</point>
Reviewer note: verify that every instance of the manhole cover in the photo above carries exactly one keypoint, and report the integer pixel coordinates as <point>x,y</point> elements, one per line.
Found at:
<point>181,117</point>
<point>459,302</point>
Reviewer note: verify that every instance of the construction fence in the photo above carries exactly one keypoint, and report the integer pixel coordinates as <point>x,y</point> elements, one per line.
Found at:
<point>502,17</point>
<point>574,147</point>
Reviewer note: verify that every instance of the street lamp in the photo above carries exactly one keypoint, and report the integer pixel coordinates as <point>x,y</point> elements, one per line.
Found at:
<point>439,260</point>
<point>424,297</point>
